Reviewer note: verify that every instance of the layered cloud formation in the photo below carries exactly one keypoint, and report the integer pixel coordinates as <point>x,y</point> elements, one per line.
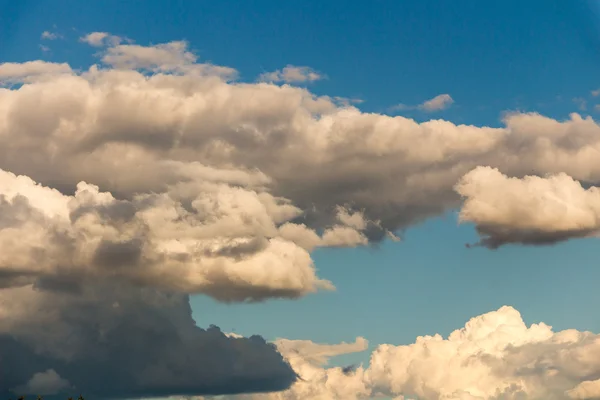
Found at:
<point>152,176</point>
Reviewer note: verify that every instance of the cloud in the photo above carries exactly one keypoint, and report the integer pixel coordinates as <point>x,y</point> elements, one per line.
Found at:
<point>107,125</point>
<point>494,356</point>
<point>198,237</point>
<point>100,39</point>
<point>581,103</point>
<point>47,35</point>
<point>595,93</point>
<point>159,176</point>
<point>529,210</point>
<point>586,390</point>
<point>292,74</point>
<point>113,340</point>
<point>31,70</point>
<point>438,103</point>
<point>44,383</point>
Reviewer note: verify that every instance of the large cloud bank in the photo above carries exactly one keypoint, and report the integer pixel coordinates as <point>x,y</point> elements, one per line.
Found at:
<point>127,186</point>
<point>494,356</point>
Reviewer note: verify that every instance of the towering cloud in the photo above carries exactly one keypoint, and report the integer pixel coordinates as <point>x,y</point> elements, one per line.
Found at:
<point>494,356</point>
<point>152,176</point>
<point>107,339</point>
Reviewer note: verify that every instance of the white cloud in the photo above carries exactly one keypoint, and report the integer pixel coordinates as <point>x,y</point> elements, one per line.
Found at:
<point>31,70</point>
<point>530,210</point>
<point>581,103</point>
<point>43,383</point>
<point>47,35</point>
<point>438,103</point>
<point>292,74</point>
<point>225,243</point>
<point>586,390</point>
<point>100,39</point>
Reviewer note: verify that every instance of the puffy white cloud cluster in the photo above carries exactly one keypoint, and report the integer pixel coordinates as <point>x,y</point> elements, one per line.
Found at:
<point>494,356</point>
<point>200,236</point>
<point>530,210</point>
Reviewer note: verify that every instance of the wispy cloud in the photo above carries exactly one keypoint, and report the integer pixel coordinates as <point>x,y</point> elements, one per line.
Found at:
<point>581,103</point>
<point>438,103</point>
<point>292,74</point>
<point>100,39</point>
<point>47,35</point>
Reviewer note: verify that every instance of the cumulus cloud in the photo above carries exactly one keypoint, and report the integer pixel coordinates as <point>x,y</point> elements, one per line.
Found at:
<point>529,210</point>
<point>43,383</point>
<point>112,340</point>
<point>494,356</point>
<point>438,103</point>
<point>108,124</point>
<point>47,35</point>
<point>292,74</point>
<point>198,237</point>
<point>586,390</point>
<point>30,71</point>
<point>154,173</point>
<point>100,39</point>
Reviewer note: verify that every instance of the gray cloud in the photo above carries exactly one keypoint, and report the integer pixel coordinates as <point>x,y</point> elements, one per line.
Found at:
<point>121,341</point>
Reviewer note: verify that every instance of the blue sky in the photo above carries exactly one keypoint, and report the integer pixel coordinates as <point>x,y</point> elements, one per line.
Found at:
<point>491,57</point>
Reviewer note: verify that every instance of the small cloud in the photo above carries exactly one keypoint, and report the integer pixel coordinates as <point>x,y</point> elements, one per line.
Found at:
<point>346,101</point>
<point>292,74</point>
<point>595,93</point>
<point>581,103</point>
<point>401,107</point>
<point>438,103</point>
<point>597,108</point>
<point>45,49</point>
<point>47,35</point>
<point>100,39</point>
<point>45,383</point>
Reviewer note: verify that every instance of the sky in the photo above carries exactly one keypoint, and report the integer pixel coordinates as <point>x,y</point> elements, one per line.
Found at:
<point>400,198</point>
